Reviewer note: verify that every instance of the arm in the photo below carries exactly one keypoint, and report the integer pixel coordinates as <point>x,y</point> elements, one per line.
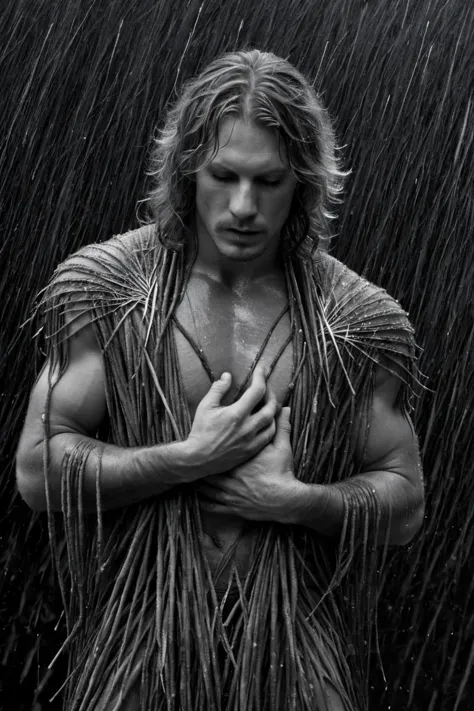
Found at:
<point>390,464</point>
<point>76,411</point>
<point>128,475</point>
<point>265,488</point>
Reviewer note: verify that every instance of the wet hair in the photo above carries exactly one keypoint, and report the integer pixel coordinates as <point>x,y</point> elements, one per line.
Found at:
<point>265,89</point>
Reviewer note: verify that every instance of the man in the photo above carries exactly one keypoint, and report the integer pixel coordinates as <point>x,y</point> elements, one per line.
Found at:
<point>223,422</point>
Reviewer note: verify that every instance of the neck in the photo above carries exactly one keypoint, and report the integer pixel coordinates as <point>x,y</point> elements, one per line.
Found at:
<point>206,259</point>
<point>230,274</point>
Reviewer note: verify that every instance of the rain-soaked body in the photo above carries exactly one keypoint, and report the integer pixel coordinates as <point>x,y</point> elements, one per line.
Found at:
<point>231,318</point>
<point>232,326</point>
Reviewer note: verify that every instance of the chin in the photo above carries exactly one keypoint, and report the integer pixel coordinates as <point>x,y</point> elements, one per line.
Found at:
<point>241,251</point>
<point>237,253</point>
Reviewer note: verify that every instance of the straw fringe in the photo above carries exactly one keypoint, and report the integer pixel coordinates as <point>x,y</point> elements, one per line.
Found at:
<point>139,595</point>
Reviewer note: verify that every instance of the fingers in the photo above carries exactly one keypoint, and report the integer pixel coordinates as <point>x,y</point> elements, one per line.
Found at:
<point>266,415</point>
<point>254,393</point>
<point>217,391</point>
<point>214,499</point>
<point>284,419</point>
<point>270,397</point>
<point>215,493</point>
<point>264,437</point>
<point>218,481</point>
<point>213,507</point>
<point>283,427</point>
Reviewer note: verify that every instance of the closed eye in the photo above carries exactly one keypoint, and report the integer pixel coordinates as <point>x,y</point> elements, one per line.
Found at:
<point>223,178</point>
<point>229,178</point>
<point>268,182</point>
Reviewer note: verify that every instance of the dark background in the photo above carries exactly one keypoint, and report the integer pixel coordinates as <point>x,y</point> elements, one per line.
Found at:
<point>82,86</point>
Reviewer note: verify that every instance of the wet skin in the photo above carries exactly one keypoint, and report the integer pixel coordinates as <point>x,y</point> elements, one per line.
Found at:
<point>243,198</point>
<point>237,289</point>
<point>235,293</point>
<point>230,330</point>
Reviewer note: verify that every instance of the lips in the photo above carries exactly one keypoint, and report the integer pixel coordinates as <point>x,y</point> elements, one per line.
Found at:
<point>243,232</point>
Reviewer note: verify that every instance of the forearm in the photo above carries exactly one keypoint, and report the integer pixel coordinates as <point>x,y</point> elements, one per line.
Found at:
<point>400,505</point>
<point>120,475</point>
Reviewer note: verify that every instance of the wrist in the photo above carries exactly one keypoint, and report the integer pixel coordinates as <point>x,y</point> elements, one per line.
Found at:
<point>317,506</point>
<point>183,461</point>
<point>296,504</point>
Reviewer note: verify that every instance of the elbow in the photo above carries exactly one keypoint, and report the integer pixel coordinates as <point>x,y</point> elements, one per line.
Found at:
<point>410,528</point>
<point>30,485</point>
<point>34,499</point>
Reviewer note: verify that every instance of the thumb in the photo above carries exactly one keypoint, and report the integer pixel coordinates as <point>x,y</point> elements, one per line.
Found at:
<point>218,389</point>
<point>283,430</point>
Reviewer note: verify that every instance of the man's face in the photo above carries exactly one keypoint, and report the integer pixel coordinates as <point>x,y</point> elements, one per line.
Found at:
<point>244,195</point>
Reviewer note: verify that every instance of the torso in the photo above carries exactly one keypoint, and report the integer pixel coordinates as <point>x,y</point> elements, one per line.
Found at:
<point>229,326</point>
<point>230,329</point>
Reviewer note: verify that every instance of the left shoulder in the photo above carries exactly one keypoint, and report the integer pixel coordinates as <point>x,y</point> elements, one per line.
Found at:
<point>360,309</point>
<point>342,284</point>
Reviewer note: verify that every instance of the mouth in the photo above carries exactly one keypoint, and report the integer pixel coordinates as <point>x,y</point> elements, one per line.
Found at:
<point>243,232</point>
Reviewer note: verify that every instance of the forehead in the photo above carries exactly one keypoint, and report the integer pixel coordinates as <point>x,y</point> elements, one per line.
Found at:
<point>245,145</point>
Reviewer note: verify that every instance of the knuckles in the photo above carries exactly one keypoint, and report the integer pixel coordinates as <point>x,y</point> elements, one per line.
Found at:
<point>225,498</point>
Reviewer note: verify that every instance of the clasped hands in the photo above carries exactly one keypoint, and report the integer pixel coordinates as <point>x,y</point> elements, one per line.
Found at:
<point>245,451</point>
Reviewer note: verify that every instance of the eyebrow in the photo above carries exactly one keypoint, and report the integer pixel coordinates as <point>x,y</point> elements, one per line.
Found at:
<point>270,170</point>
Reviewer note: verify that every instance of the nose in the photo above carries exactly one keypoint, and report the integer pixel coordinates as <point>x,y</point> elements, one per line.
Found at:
<point>243,201</point>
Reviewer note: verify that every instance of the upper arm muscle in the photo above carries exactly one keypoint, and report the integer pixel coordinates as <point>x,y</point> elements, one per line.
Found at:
<point>77,401</point>
<point>390,443</point>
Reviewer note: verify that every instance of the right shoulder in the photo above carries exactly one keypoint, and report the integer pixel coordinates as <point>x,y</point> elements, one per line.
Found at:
<point>96,280</point>
<point>115,257</point>
<point>102,271</point>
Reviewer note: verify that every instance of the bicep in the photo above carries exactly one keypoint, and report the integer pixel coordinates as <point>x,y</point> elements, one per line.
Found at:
<point>77,401</point>
<point>386,436</point>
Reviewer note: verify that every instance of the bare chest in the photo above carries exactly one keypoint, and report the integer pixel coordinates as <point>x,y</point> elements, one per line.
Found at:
<point>216,332</point>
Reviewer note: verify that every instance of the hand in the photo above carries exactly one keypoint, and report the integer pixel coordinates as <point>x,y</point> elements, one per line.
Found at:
<point>223,437</point>
<point>261,489</point>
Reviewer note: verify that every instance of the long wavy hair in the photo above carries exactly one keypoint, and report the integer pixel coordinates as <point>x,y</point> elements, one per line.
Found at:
<point>259,87</point>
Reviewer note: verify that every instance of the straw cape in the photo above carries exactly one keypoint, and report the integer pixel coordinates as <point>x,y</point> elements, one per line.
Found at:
<point>139,595</point>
